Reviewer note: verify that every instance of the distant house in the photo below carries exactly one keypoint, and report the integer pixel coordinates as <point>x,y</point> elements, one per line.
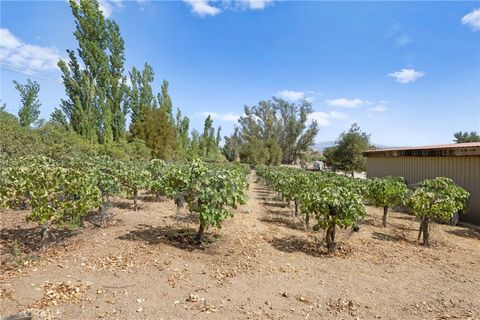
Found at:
<point>459,162</point>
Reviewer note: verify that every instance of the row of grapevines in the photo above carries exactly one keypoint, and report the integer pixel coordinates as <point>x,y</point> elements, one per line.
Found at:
<point>63,193</point>
<point>333,200</point>
<point>338,201</point>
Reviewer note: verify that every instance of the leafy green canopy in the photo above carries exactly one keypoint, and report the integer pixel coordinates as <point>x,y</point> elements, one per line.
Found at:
<point>56,195</point>
<point>347,154</point>
<point>463,137</point>
<point>438,198</point>
<point>386,191</point>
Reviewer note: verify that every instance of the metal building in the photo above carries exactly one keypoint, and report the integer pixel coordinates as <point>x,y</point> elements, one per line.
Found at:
<point>459,162</point>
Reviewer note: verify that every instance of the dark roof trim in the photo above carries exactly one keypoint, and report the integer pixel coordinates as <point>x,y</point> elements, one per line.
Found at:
<point>445,150</point>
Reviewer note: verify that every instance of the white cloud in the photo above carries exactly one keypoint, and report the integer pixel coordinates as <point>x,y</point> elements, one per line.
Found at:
<point>406,75</point>
<point>472,19</point>
<point>212,7</point>
<point>324,118</point>
<point>109,6</point>
<point>258,4</point>
<point>345,103</point>
<point>203,8</point>
<point>379,108</point>
<point>8,40</point>
<point>228,117</point>
<point>24,57</point>
<point>292,95</point>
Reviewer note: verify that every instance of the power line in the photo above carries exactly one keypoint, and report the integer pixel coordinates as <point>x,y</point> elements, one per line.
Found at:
<point>26,68</point>
<point>28,73</point>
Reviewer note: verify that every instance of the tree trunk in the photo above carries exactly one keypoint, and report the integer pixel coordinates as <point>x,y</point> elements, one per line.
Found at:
<point>45,235</point>
<point>200,232</point>
<point>135,196</point>
<point>384,218</point>
<point>296,208</point>
<point>330,237</point>
<point>307,221</point>
<point>102,216</point>
<point>331,230</point>
<point>424,228</point>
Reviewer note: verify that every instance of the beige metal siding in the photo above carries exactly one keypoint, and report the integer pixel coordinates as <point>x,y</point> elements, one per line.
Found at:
<point>463,170</point>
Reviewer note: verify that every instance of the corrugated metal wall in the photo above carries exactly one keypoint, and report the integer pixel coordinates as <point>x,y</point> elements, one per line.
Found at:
<point>463,170</point>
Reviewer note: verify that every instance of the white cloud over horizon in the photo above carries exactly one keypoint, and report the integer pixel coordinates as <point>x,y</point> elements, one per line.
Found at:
<point>227,117</point>
<point>109,6</point>
<point>202,7</point>
<point>406,75</point>
<point>346,103</point>
<point>291,95</point>
<point>27,58</point>
<point>324,118</point>
<point>257,4</point>
<point>472,19</point>
<point>212,8</point>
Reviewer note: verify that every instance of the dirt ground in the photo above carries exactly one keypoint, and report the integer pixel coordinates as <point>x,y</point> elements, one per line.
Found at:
<point>260,265</point>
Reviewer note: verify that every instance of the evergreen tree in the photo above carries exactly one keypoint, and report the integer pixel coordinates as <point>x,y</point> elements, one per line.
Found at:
<point>30,108</point>
<point>157,132</point>
<point>347,154</point>
<point>463,137</point>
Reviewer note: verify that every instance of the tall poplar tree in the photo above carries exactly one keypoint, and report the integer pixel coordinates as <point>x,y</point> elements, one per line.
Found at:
<point>141,94</point>
<point>95,105</point>
<point>164,100</point>
<point>30,108</point>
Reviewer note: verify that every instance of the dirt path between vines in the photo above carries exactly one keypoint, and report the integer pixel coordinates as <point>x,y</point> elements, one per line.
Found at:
<point>260,265</point>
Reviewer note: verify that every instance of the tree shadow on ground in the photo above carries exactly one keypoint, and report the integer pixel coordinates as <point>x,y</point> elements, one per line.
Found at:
<point>406,217</point>
<point>95,218</point>
<point>186,217</point>
<point>275,204</point>
<point>465,232</point>
<point>397,236</point>
<point>176,236</point>
<point>292,244</point>
<point>282,221</point>
<point>21,244</point>
<point>122,204</point>
<point>153,198</point>
<point>377,222</point>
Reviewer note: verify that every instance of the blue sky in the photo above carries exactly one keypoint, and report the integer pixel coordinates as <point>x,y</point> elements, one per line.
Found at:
<point>407,72</point>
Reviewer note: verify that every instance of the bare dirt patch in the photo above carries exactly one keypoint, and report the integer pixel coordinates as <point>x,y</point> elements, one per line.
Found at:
<point>260,265</point>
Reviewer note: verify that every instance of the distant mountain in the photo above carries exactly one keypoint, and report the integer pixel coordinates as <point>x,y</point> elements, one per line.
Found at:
<point>323,145</point>
<point>326,144</point>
